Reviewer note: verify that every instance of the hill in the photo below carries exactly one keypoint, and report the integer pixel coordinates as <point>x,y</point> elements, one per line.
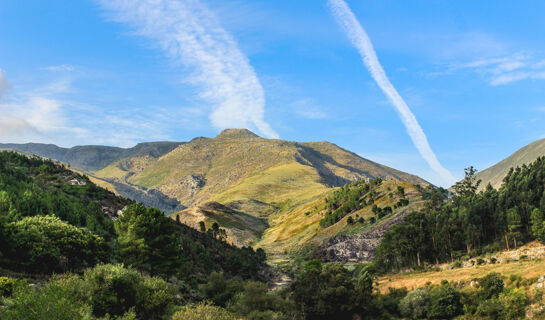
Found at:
<point>91,158</point>
<point>247,184</point>
<point>526,155</point>
<point>53,219</point>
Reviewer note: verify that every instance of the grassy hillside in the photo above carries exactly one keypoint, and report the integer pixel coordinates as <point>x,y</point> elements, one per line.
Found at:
<point>260,189</point>
<point>526,155</point>
<point>237,165</point>
<point>298,231</point>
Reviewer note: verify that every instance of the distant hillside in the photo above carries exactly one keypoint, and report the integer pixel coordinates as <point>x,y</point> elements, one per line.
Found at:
<point>92,158</point>
<point>237,165</point>
<point>495,174</point>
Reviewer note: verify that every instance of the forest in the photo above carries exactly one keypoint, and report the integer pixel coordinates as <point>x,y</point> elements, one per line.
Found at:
<point>470,223</point>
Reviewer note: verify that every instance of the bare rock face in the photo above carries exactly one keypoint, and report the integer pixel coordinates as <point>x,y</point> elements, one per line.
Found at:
<point>356,248</point>
<point>192,184</point>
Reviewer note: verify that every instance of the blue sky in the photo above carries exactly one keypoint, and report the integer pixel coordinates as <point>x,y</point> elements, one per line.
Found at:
<point>105,72</point>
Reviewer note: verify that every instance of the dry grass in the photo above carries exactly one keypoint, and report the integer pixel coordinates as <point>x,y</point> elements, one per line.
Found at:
<point>526,268</point>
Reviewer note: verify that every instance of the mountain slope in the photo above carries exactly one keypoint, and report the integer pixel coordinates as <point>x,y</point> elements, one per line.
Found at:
<point>495,174</point>
<point>92,158</point>
<point>249,185</point>
<point>237,165</point>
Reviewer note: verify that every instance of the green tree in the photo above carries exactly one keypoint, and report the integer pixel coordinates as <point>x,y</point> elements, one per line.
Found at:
<point>444,302</point>
<point>415,304</point>
<point>148,240</point>
<point>46,244</point>
<point>514,225</point>
<point>538,225</point>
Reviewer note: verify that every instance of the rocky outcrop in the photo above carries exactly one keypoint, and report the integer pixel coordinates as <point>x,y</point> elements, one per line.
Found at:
<point>356,248</point>
<point>151,198</point>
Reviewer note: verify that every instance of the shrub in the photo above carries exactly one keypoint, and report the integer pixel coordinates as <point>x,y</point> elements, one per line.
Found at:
<point>513,303</point>
<point>115,290</point>
<point>46,244</point>
<point>414,305</point>
<point>53,302</point>
<point>203,311</point>
<point>492,285</point>
<point>220,290</point>
<point>7,286</point>
<point>257,303</point>
<point>444,302</point>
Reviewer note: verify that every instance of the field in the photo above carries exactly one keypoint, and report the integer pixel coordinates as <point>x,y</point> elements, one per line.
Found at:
<point>527,262</point>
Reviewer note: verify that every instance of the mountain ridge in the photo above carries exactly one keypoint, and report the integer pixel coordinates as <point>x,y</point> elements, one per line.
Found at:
<point>525,155</point>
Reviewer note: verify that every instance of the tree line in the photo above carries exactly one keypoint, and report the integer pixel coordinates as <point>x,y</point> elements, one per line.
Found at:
<point>469,223</point>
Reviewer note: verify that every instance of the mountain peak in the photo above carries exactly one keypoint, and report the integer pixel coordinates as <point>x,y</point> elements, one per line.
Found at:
<point>237,134</point>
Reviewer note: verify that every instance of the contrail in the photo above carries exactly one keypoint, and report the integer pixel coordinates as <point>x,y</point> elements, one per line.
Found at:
<point>359,38</point>
<point>190,34</point>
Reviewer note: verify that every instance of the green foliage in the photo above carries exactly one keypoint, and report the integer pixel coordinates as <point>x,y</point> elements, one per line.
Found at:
<point>255,302</point>
<point>444,302</point>
<point>33,186</point>
<point>46,244</point>
<point>53,302</point>
<point>220,290</point>
<point>492,285</point>
<point>514,303</point>
<point>415,304</point>
<point>328,291</point>
<point>347,199</point>
<point>104,291</point>
<point>7,286</point>
<point>203,311</point>
<point>538,224</point>
<point>470,222</point>
<point>148,241</point>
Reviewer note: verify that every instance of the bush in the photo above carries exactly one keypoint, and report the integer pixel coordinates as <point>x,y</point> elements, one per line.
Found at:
<point>444,302</point>
<point>219,290</point>
<point>47,244</point>
<point>513,303</point>
<point>203,311</point>
<point>492,285</point>
<point>7,286</point>
<point>53,302</point>
<point>257,303</point>
<point>414,305</point>
<point>115,290</point>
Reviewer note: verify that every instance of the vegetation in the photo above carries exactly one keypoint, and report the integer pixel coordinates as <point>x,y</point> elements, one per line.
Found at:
<point>49,224</point>
<point>470,223</point>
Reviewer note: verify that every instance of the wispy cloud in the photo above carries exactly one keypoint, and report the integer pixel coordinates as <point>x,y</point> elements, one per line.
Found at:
<point>505,70</point>
<point>33,115</point>
<point>191,35</point>
<point>59,68</point>
<point>359,38</point>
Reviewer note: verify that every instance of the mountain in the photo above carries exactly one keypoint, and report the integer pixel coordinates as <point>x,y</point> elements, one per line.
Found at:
<point>92,158</point>
<point>526,155</point>
<point>247,184</point>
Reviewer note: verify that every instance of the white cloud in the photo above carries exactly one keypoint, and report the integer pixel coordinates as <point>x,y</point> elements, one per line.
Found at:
<point>508,69</point>
<point>59,68</point>
<point>191,35</point>
<point>34,118</point>
<point>359,38</point>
